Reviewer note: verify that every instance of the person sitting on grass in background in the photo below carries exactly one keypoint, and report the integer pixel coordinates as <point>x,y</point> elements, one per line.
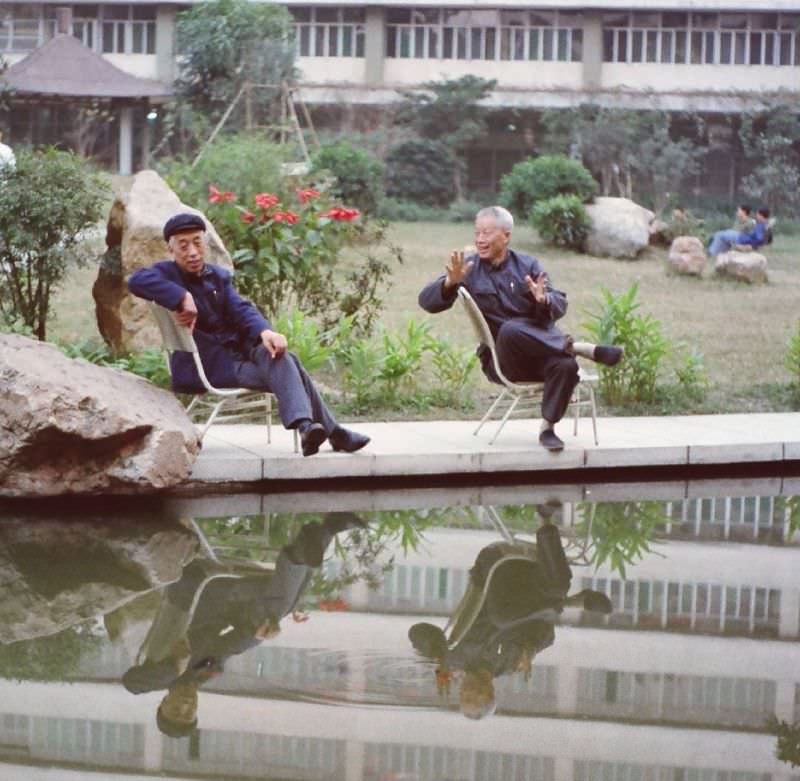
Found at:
<point>237,345</point>
<point>724,241</point>
<point>745,222</point>
<point>521,306</point>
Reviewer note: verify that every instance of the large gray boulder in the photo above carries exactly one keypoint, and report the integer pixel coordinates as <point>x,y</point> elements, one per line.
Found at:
<point>750,267</point>
<point>56,572</point>
<point>134,239</point>
<point>70,427</point>
<point>687,255</point>
<point>619,228</point>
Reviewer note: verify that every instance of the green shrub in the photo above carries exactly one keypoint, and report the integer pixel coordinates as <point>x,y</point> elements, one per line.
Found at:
<point>403,353</point>
<point>561,220</point>
<point>420,170</point>
<point>616,321</point>
<point>396,210</point>
<point>542,178</point>
<point>46,204</point>
<point>243,163</point>
<point>792,357</point>
<point>305,339</point>
<point>464,211</point>
<point>358,174</point>
<point>452,370</point>
<point>150,364</point>
<point>692,376</point>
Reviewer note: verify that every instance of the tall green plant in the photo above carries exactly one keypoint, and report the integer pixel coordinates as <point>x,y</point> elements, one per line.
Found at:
<point>46,203</point>
<point>403,354</point>
<point>561,220</point>
<point>616,320</point>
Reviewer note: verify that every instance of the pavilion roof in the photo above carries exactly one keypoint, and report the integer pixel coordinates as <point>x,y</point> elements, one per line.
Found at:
<point>65,67</point>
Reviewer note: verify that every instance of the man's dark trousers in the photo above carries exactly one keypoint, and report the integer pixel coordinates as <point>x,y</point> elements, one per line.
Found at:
<point>285,377</point>
<point>524,358</point>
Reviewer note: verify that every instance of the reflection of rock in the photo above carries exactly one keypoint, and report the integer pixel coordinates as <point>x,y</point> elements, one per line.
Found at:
<point>54,575</point>
<point>687,255</point>
<point>745,266</point>
<point>134,239</point>
<point>619,228</point>
<point>67,426</point>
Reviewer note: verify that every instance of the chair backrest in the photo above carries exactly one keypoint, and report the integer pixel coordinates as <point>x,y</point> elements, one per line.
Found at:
<point>482,331</point>
<point>174,336</point>
<point>178,338</point>
<point>476,319</point>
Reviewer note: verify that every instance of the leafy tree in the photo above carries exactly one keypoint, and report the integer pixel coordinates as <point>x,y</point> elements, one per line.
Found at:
<point>561,220</point>
<point>45,205</point>
<point>771,141</point>
<point>632,151</point>
<point>358,173</point>
<point>450,112</point>
<point>541,178</point>
<point>420,170</point>
<point>225,46</point>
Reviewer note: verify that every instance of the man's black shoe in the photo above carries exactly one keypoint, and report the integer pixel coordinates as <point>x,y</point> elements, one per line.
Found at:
<point>549,439</point>
<point>347,441</point>
<point>311,437</point>
<point>608,355</point>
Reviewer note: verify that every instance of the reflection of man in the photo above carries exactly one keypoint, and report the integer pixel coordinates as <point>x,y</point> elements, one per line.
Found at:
<point>521,307</point>
<point>516,591</point>
<point>208,616</point>
<point>237,345</point>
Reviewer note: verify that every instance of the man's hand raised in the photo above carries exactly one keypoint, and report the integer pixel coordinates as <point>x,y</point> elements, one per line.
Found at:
<point>457,269</point>
<point>537,287</point>
<point>275,343</point>
<point>187,314</point>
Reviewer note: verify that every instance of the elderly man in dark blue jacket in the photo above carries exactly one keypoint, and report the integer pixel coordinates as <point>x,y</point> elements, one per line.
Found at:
<point>237,345</point>
<point>521,307</point>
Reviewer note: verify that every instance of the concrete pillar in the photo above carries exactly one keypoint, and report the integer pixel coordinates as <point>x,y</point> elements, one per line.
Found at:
<point>126,141</point>
<point>165,43</point>
<point>592,50</point>
<point>374,45</point>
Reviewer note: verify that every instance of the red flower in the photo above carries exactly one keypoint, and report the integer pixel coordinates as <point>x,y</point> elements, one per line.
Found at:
<point>266,200</point>
<point>304,196</point>
<point>342,214</point>
<point>248,216</point>
<point>215,196</point>
<point>287,217</point>
<point>333,604</point>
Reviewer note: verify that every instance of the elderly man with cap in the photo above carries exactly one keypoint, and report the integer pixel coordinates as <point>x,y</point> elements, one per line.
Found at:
<point>237,345</point>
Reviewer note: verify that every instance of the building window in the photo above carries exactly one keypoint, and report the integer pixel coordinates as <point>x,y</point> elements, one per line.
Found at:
<point>702,38</point>
<point>128,29</point>
<point>25,27</point>
<point>329,32</point>
<point>461,34</point>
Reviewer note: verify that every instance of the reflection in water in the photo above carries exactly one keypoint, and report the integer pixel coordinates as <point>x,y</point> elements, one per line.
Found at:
<point>515,592</point>
<point>214,612</point>
<point>679,680</point>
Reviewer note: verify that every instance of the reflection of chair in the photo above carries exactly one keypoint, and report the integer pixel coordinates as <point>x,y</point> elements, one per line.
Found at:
<point>221,404</point>
<point>523,397</point>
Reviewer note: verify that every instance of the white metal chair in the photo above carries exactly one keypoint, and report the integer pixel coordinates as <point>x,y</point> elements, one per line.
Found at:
<point>221,404</point>
<point>523,397</point>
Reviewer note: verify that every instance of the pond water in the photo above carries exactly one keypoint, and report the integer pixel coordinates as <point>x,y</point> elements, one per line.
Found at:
<point>575,633</point>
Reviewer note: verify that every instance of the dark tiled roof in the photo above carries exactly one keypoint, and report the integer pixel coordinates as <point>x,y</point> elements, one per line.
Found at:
<point>64,66</point>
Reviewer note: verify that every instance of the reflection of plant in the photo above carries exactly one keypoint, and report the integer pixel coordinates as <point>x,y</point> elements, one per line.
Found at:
<point>787,748</point>
<point>52,658</point>
<point>790,506</point>
<point>620,533</point>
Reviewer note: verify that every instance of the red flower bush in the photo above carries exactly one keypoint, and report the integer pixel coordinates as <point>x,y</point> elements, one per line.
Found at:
<point>267,201</point>
<point>342,214</point>
<point>289,217</point>
<point>304,196</point>
<point>248,216</point>
<point>217,196</point>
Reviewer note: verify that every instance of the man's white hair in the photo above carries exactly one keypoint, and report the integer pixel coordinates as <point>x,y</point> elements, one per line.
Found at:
<point>501,216</point>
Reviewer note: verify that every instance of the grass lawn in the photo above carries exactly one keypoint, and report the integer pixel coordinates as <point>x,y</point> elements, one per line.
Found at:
<point>740,329</point>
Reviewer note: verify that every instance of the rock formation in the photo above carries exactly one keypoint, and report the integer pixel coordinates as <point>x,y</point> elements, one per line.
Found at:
<point>70,427</point>
<point>748,267</point>
<point>620,228</point>
<point>134,239</point>
<point>687,255</point>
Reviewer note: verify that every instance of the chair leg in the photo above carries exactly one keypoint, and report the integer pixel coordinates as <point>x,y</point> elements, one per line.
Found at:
<point>505,418</point>
<point>576,406</point>
<point>191,406</point>
<point>490,410</point>
<point>296,441</point>
<point>217,407</point>
<point>594,413</point>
